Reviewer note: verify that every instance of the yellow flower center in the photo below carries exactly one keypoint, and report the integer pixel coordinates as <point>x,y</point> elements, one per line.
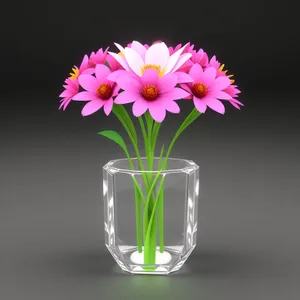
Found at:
<point>104,91</point>
<point>150,92</point>
<point>199,90</point>
<point>154,67</point>
<point>75,73</point>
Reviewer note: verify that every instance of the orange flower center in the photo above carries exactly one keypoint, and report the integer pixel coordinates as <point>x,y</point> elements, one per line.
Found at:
<point>199,90</point>
<point>150,92</point>
<point>104,91</point>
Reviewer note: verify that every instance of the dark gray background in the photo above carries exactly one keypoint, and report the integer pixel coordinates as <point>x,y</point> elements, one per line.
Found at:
<point>51,210</point>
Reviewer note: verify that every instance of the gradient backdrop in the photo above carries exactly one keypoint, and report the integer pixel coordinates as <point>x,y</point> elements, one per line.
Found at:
<point>51,210</point>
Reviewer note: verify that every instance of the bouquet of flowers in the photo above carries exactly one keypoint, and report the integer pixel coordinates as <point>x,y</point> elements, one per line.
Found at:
<point>153,79</point>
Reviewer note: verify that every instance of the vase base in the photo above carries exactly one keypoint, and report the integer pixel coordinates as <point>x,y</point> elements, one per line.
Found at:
<point>161,258</point>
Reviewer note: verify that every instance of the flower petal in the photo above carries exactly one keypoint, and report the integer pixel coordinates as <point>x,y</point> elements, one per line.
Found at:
<point>221,83</point>
<point>91,107</point>
<point>126,97</point>
<point>172,107</point>
<point>183,77</point>
<point>215,105</point>
<point>121,60</point>
<point>139,48</point>
<point>88,82</point>
<point>108,105</point>
<point>157,54</point>
<point>139,108</point>
<point>116,74</point>
<point>84,63</point>
<point>157,112</point>
<point>222,95</point>
<point>85,96</point>
<point>130,83</point>
<point>88,71</point>
<point>200,105</point>
<point>209,76</point>
<point>101,72</point>
<point>173,59</point>
<point>134,60</point>
<point>175,94</point>
<point>196,72</point>
<point>150,76</point>
<point>167,83</point>
<point>182,59</point>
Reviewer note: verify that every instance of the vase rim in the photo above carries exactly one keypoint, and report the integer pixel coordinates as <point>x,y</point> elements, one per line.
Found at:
<point>189,166</point>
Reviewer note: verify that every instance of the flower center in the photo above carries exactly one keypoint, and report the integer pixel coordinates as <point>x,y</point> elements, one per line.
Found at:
<point>104,91</point>
<point>157,68</point>
<point>75,73</point>
<point>199,90</point>
<point>150,92</point>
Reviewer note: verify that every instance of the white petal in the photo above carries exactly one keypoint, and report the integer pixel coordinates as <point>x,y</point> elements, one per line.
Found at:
<point>157,54</point>
<point>121,60</point>
<point>182,59</point>
<point>173,59</point>
<point>119,47</point>
<point>139,48</point>
<point>134,60</point>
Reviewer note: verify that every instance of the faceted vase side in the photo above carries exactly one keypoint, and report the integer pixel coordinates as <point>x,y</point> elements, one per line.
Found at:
<point>150,217</point>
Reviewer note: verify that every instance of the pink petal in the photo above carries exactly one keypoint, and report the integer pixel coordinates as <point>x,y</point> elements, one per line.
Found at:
<point>175,94</point>
<point>196,72</point>
<point>200,105</point>
<point>216,105</point>
<point>130,83</point>
<point>102,72</point>
<point>221,83</point>
<point>116,74</point>
<point>157,54</point>
<point>139,108</point>
<point>85,96</point>
<point>172,107</point>
<point>167,83</point>
<point>158,113</point>
<point>185,87</point>
<point>234,104</point>
<point>182,59</point>
<point>134,60</point>
<point>91,107</point>
<point>126,97</point>
<point>116,90</point>
<point>209,76</point>
<point>108,106</point>
<point>221,95</point>
<point>183,77</point>
<point>84,63</point>
<point>88,82</point>
<point>150,76</point>
<point>65,94</point>
<point>88,71</point>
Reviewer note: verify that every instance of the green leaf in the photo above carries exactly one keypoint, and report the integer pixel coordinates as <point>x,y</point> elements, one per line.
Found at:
<point>114,136</point>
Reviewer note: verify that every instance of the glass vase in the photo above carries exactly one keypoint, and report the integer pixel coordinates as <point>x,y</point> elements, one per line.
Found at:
<point>150,217</point>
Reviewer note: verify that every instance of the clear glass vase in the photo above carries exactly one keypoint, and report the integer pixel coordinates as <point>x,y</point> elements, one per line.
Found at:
<point>150,217</point>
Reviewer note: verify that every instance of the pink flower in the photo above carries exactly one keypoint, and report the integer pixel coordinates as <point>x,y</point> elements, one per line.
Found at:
<point>207,89</point>
<point>99,91</point>
<point>233,91</point>
<point>83,69</point>
<point>200,58</point>
<point>150,92</point>
<point>98,58</point>
<point>71,89</point>
<point>137,59</point>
